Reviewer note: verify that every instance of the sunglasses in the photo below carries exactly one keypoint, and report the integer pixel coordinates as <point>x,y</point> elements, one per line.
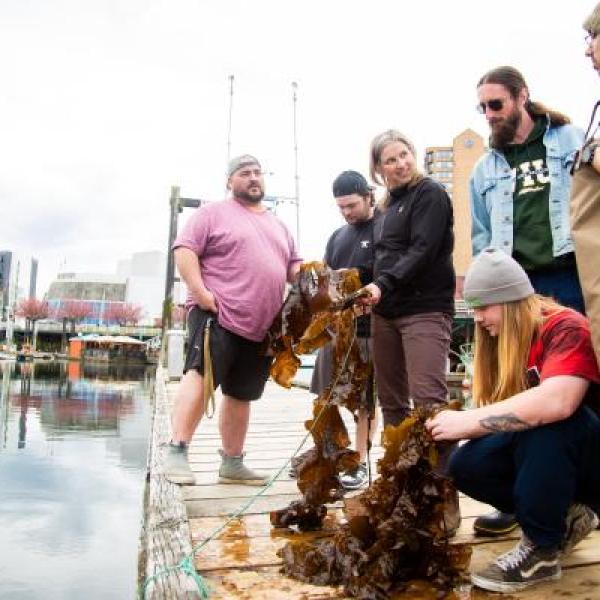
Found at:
<point>494,105</point>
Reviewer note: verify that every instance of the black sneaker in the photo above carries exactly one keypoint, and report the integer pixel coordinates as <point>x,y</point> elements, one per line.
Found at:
<point>523,566</point>
<point>581,521</point>
<point>495,523</point>
<point>355,479</point>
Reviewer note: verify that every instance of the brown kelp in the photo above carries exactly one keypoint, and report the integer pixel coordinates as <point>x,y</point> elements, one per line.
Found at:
<point>314,312</point>
<point>396,531</point>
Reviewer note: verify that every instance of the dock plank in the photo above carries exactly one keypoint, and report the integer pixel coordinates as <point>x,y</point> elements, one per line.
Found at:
<point>258,525</point>
<point>267,583</point>
<point>210,455</point>
<point>253,536</point>
<point>207,492</point>
<point>227,506</point>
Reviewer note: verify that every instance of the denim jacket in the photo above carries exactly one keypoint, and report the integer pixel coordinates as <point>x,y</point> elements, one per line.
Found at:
<point>492,185</point>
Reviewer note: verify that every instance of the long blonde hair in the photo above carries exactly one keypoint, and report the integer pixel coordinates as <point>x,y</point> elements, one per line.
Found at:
<point>378,144</point>
<point>500,362</point>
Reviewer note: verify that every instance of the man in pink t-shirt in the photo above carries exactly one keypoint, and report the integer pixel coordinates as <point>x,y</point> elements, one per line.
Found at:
<point>235,258</point>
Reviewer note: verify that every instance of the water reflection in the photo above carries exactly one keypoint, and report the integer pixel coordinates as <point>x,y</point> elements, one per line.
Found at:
<point>73,445</point>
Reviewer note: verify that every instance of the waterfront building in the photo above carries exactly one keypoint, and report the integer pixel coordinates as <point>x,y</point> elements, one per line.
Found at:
<point>99,291</point>
<point>145,274</point>
<point>452,166</point>
<point>139,280</point>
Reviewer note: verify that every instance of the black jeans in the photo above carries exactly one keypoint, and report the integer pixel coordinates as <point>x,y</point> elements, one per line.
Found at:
<point>536,474</point>
<point>562,285</point>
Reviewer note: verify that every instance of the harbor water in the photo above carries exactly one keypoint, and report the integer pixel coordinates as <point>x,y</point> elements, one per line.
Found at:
<point>73,452</point>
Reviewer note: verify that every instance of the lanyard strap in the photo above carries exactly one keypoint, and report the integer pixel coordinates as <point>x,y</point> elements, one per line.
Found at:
<point>209,384</point>
<point>587,133</point>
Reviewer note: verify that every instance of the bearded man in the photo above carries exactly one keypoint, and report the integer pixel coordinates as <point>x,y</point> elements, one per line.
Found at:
<point>520,192</point>
<point>235,257</point>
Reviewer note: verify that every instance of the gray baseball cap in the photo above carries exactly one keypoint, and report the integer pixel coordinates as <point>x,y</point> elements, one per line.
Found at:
<point>236,163</point>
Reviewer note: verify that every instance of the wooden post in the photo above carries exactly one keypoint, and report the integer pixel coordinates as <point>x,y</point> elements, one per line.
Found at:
<point>168,299</point>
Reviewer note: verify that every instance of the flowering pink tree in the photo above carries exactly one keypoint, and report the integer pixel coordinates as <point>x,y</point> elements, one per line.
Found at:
<point>32,310</point>
<point>124,313</point>
<point>72,311</point>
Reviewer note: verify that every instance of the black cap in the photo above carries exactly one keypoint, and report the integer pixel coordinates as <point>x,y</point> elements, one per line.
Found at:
<point>350,182</point>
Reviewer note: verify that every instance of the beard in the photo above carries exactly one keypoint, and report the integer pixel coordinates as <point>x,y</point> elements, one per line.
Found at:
<point>250,198</point>
<point>503,132</point>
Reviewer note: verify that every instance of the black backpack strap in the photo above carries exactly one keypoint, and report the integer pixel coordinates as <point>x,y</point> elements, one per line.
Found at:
<point>592,119</point>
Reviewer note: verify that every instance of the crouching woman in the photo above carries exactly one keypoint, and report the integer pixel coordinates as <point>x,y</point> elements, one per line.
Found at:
<point>534,440</point>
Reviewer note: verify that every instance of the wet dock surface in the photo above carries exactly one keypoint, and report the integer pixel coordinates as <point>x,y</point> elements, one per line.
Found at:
<point>242,563</point>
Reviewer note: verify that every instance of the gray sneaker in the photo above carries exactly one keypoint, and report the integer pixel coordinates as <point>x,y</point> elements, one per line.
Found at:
<point>519,568</point>
<point>176,467</point>
<point>581,521</point>
<point>233,470</point>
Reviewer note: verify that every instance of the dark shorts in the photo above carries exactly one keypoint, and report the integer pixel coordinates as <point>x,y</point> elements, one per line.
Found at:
<point>240,366</point>
<point>323,371</point>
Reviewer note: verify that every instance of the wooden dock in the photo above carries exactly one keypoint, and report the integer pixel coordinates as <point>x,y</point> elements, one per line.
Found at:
<point>242,562</point>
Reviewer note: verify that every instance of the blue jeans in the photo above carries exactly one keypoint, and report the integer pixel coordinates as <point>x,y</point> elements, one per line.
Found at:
<point>562,285</point>
<point>535,474</point>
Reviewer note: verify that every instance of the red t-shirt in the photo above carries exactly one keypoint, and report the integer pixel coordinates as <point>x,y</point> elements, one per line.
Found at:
<point>564,347</point>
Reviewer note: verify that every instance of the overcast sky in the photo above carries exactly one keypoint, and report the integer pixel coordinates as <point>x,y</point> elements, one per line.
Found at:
<point>104,104</point>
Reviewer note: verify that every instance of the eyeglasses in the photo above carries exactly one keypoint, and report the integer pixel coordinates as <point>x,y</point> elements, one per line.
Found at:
<point>589,38</point>
<point>494,105</point>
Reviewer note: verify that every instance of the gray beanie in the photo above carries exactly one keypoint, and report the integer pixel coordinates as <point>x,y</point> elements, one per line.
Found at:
<point>592,23</point>
<point>236,163</point>
<point>494,278</point>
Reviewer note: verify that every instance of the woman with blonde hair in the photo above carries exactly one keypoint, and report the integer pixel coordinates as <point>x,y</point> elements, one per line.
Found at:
<point>534,439</point>
<point>413,286</point>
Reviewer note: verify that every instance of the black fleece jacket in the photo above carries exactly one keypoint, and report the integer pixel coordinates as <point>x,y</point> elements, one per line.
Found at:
<point>413,252</point>
<point>352,246</point>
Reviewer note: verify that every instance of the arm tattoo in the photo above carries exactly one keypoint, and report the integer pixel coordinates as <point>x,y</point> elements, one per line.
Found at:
<point>508,422</point>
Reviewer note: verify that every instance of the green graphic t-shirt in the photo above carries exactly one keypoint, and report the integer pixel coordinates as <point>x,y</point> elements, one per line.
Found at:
<point>532,237</point>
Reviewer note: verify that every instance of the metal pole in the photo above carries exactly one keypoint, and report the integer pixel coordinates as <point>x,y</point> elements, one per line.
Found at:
<point>230,119</point>
<point>10,339</point>
<point>296,177</point>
